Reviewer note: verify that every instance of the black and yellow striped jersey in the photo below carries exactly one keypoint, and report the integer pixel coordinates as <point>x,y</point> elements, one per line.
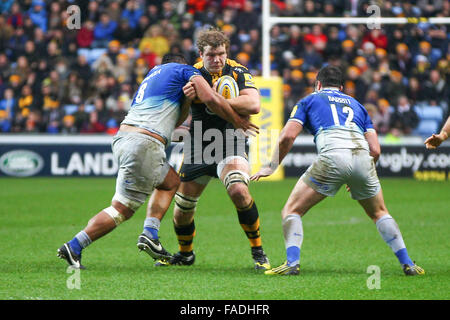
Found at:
<point>200,112</point>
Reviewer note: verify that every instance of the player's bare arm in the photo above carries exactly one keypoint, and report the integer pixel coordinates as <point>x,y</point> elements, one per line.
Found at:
<point>247,103</point>
<point>287,137</point>
<point>185,107</point>
<point>374,145</point>
<point>220,106</point>
<point>436,139</point>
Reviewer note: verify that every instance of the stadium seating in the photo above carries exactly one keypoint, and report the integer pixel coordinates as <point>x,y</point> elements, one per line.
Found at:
<point>430,119</point>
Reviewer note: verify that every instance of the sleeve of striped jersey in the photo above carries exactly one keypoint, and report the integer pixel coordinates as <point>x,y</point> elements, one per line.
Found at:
<point>244,79</point>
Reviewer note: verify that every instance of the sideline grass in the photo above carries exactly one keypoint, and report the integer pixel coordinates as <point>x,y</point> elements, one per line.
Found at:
<point>39,214</point>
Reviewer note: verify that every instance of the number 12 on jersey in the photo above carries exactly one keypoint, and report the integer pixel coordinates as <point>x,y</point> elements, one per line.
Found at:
<point>345,109</point>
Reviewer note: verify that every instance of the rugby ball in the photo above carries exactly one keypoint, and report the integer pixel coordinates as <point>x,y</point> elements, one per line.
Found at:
<point>227,87</point>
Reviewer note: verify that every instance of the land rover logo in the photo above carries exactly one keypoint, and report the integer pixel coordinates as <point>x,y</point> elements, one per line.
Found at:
<point>21,163</point>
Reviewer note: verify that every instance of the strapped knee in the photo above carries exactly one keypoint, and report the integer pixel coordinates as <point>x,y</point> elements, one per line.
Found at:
<point>115,215</point>
<point>185,204</point>
<point>235,176</point>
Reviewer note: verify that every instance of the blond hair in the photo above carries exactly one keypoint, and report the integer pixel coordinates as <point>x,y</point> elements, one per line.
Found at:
<point>212,37</point>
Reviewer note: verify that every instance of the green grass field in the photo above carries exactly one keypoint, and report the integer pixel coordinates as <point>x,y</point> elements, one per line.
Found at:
<point>38,215</point>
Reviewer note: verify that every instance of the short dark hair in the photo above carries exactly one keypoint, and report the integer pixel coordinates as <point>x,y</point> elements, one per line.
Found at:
<point>330,76</point>
<point>173,57</point>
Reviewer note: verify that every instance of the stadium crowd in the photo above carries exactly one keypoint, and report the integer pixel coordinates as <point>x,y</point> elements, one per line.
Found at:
<point>58,79</point>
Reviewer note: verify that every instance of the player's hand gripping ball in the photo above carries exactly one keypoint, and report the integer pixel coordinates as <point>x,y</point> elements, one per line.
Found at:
<point>227,87</point>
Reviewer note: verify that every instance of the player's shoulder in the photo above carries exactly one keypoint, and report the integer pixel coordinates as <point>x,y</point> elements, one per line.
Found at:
<point>199,65</point>
<point>309,98</point>
<point>236,67</point>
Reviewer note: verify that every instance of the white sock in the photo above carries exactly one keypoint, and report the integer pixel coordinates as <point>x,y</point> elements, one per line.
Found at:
<point>390,232</point>
<point>293,237</point>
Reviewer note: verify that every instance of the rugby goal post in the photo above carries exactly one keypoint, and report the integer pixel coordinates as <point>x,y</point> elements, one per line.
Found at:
<point>270,119</point>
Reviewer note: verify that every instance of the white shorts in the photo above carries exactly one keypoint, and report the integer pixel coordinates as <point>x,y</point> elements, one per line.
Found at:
<point>142,167</point>
<point>354,167</point>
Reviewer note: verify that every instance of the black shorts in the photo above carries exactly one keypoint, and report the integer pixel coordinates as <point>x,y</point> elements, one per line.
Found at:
<point>203,159</point>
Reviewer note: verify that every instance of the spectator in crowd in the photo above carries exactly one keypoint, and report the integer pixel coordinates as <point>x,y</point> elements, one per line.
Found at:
<point>421,69</point>
<point>81,118</point>
<point>55,17</point>
<point>38,14</point>
<point>5,5</point>
<point>377,37</point>
<point>317,38</point>
<point>149,56</point>
<point>382,118</point>
<point>85,36</point>
<point>415,91</point>
<point>15,18</point>
<point>402,61</point>
<point>34,123</point>
<point>403,119</point>
<point>16,44</point>
<point>7,106</point>
<point>125,33</point>
<point>333,46</point>
<point>94,125</point>
<point>132,13</point>
<point>114,11</point>
<point>93,12</point>
<point>72,89</point>
<point>395,87</point>
<point>68,125</point>
<point>435,87</point>
<point>158,43</point>
<point>103,31</point>
<point>26,102</point>
<point>15,83</point>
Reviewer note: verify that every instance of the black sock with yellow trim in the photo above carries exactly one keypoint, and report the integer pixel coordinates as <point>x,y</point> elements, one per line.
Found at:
<point>185,235</point>
<point>249,220</point>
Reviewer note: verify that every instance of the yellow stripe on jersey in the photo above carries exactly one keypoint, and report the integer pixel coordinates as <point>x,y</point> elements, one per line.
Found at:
<point>293,111</point>
<point>199,65</point>
<point>233,63</point>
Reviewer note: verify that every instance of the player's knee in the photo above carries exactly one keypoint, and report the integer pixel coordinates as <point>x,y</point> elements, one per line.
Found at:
<point>239,194</point>
<point>182,218</point>
<point>118,212</point>
<point>171,182</point>
<point>234,177</point>
<point>380,212</point>
<point>185,205</point>
<point>287,210</point>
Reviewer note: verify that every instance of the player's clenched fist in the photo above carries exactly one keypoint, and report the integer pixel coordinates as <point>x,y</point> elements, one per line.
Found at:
<point>189,91</point>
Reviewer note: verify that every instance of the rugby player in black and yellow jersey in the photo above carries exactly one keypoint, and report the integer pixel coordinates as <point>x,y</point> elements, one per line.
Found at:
<point>203,159</point>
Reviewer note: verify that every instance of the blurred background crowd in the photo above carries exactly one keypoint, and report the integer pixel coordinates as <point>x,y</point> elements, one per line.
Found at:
<point>54,79</point>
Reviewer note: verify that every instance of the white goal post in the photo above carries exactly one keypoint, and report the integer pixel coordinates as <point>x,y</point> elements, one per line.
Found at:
<point>268,22</point>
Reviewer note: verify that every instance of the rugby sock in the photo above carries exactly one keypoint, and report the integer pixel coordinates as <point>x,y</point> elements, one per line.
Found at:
<point>249,220</point>
<point>151,227</point>
<point>390,232</point>
<point>293,238</point>
<point>185,235</point>
<point>79,242</point>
